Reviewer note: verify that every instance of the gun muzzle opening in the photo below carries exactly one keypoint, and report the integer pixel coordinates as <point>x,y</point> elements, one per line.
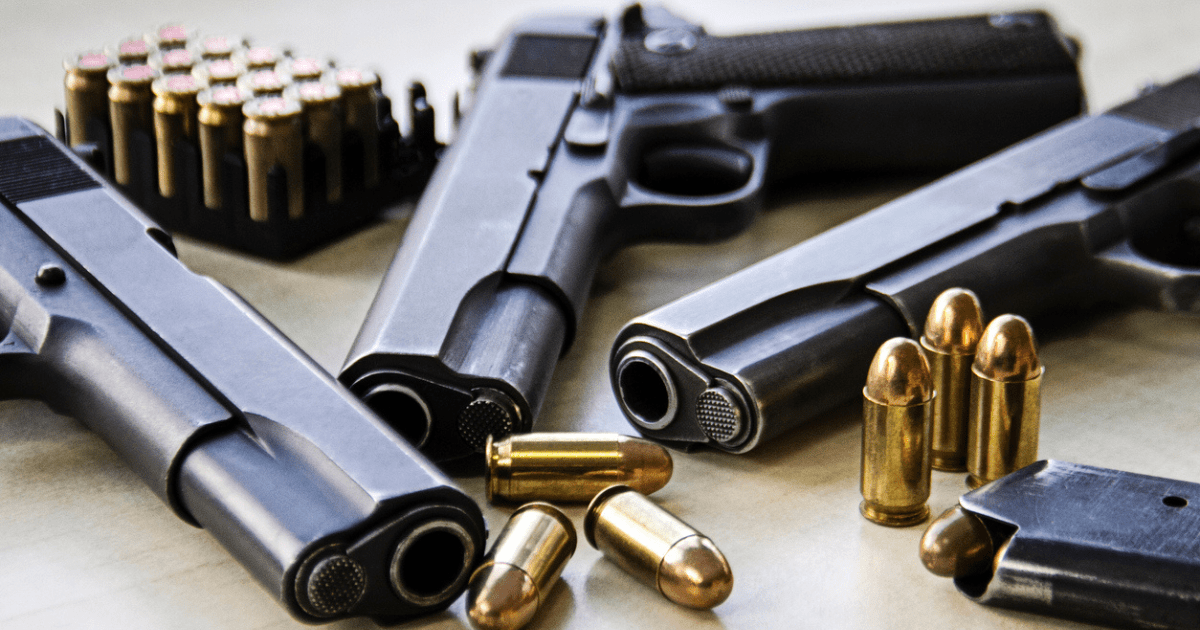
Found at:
<point>647,391</point>
<point>402,409</point>
<point>423,571</point>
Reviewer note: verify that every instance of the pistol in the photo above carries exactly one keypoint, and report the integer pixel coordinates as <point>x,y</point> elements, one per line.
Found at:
<point>586,135</point>
<point>1103,208</point>
<point>227,421</point>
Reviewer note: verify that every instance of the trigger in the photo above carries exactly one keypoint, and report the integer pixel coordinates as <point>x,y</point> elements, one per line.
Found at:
<point>695,171</point>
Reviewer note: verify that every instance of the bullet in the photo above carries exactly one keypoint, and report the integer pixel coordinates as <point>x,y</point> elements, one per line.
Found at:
<point>175,120</point>
<point>173,61</point>
<point>517,575</point>
<point>658,548</point>
<point>1006,401</point>
<point>219,71</point>
<point>303,68</point>
<point>86,86</point>
<point>210,47</point>
<point>220,121</point>
<point>131,51</point>
<point>572,466</point>
<point>952,332</point>
<point>897,406</point>
<point>957,544</point>
<point>258,57</point>
<point>130,110</point>
<point>273,137</point>
<point>168,36</point>
<point>360,98</point>
<point>264,82</point>
<point>322,103</point>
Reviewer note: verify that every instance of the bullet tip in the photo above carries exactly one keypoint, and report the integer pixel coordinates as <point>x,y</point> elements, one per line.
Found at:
<point>501,597</point>
<point>694,573</point>
<point>899,374</point>
<point>954,324</point>
<point>957,544</point>
<point>1007,351</point>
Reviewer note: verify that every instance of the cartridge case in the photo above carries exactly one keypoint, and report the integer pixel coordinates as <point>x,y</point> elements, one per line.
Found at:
<point>657,547</point>
<point>219,71</point>
<point>211,47</point>
<point>1006,401</point>
<point>130,111</point>
<point>322,104</point>
<point>570,467</point>
<point>516,576</point>
<point>896,433</point>
<point>169,36</point>
<point>273,137</point>
<point>175,120</point>
<point>258,57</point>
<point>264,82</point>
<point>131,51</point>
<point>173,60</point>
<point>952,331</point>
<point>86,87</point>
<point>220,129</point>
<point>303,68</point>
<point>360,107</point>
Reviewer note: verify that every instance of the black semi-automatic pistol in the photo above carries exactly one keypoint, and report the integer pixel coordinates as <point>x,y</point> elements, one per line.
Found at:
<point>230,424</point>
<point>1103,208</point>
<point>587,135</point>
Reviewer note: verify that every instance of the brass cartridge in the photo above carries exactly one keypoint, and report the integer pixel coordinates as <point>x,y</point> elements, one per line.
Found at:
<point>220,129</point>
<point>86,86</point>
<point>219,71</point>
<point>1005,401</point>
<point>952,332</point>
<point>657,547</point>
<point>303,68</point>
<point>169,36</point>
<point>131,51</point>
<point>258,57</point>
<point>175,119</point>
<point>516,576</point>
<point>130,110</point>
<point>211,47</point>
<point>273,137</point>
<point>957,544</point>
<point>572,466</point>
<point>264,82</point>
<point>322,103</point>
<point>897,405</point>
<point>173,61</point>
<point>360,109</point>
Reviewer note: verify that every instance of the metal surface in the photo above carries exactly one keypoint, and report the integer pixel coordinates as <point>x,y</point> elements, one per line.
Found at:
<point>86,87</point>
<point>897,424</point>
<point>175,120</point>
<point>220,133</point>
<point>223,418</point>
<point>273,137</point>
<point>1006,401</point>
<point>556,167</point>
<point>322,103</point>
<point>524,564</point>
<point>658,548</point>
<point>952,331</point>
<point>131,113</point>
<point>572,467</point>
<point>1093,544</point>
<point>1093,210</point>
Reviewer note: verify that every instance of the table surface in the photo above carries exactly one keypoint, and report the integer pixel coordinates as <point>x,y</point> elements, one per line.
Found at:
<point>84,544</point>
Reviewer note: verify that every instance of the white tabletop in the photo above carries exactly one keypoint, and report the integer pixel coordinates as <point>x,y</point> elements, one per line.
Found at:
<point>83,544</point>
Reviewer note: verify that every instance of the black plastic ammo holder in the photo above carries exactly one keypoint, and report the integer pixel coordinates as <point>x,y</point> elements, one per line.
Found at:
<point>406,163</point>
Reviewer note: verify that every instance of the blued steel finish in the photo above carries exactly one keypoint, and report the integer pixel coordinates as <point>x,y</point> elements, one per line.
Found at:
<point>1091,544</point>
<point>561,161</point>
<point>1098,208</point>
<point>225,419</point>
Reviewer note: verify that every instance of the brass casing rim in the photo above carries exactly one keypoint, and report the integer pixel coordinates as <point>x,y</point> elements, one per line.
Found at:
<point>593,511</point>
